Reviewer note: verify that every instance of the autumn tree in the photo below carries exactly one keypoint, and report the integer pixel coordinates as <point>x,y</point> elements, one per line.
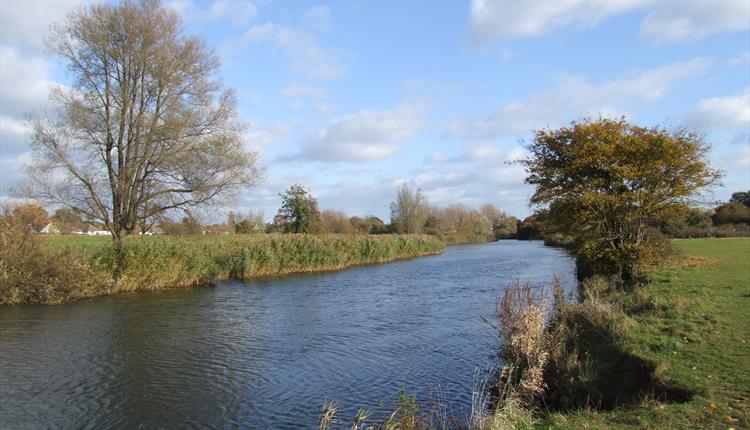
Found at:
<point>144,128</point>
<point>605,180</point>
<point>335,222</point>
<point>410,209</point>
<point>503,225</point>
<point>368,225</point>
<point>298,212</point>
<point>731,213</point>
<point>30,215</point>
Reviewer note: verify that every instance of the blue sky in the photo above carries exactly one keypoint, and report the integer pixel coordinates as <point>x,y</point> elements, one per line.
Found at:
<point>351,99</point>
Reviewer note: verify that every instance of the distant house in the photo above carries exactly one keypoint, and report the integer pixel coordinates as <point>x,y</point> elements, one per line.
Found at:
<point>49,229</point>
<point>93,230</point>
<point>151,231</point>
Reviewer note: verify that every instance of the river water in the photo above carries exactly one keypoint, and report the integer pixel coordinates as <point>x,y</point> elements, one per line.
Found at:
<point>265,354</point>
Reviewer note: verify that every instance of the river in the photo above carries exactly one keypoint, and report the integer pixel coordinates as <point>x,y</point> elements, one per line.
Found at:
<point>265,354</point>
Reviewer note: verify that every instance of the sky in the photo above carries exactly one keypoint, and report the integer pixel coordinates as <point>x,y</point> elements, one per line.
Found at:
<point>352,99</point>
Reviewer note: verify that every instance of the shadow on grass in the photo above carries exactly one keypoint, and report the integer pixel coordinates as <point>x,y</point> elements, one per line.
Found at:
<point>590,368</point>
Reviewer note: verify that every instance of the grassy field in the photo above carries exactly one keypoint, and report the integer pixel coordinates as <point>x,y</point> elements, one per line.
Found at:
<point>696,328</point>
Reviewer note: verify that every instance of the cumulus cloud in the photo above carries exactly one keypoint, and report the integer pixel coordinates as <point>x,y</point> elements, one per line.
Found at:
<point>496,182</point>
<point>723,113</point>
<point>665,21</point>
<point>364,136</point>
<point>492,20</point>
<point>574,97</point>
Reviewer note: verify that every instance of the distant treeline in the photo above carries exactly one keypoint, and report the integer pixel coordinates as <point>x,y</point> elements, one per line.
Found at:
<point>411,213</point>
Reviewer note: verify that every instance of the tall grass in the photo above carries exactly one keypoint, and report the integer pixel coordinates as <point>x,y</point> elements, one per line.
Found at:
<point>152,263</point>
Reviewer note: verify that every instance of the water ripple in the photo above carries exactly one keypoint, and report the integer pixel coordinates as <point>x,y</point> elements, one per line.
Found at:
<point>263,354</point>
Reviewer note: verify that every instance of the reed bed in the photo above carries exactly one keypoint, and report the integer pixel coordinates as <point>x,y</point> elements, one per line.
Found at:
<point>154,263</point>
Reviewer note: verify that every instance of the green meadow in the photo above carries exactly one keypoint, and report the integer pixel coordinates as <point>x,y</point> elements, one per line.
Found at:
<point>691,319</point>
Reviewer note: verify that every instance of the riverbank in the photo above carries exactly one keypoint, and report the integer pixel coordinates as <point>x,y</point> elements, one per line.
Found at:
<point>670,353</point>
<point>59,269</point>
<point>689,324</point>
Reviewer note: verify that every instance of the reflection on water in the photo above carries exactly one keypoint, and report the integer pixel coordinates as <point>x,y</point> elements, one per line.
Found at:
<point>264,354</point>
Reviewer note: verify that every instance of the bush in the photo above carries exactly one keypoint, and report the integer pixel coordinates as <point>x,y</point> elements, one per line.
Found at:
<point>33,273</point>
<point>523,313</point>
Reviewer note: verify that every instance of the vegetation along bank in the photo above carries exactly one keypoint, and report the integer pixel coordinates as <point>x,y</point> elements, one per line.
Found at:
<point>52,270</point>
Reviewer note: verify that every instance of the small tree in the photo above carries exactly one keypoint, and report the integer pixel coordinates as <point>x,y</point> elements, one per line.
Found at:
<point>605,181</point>
<point>144,127</point>
<point>250,223</point>
<point>410,210</point>
<point>741,197</point>
<point>298,212</point>
<point>30,215</point>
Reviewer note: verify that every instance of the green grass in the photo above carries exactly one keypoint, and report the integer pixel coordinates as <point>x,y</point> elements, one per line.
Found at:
<point>693,320</point>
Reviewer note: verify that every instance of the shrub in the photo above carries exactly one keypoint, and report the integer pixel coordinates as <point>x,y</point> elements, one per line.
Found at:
<point>32,273</point>
<point>523,313</point>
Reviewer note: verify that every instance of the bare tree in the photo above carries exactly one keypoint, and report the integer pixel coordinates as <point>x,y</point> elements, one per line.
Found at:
<point>145,127</point>
<point>409,210</point>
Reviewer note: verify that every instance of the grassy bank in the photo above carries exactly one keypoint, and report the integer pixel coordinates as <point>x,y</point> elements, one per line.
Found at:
<point>688,326</point>
<point>58,269</point>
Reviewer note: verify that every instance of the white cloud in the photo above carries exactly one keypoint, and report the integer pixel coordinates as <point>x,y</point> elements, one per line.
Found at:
<point>473,154</point>
<point>574,97</point>
<point>237,11</point>
<point>28,22</point>
<point>364,136</point>
<point>665,20</point>
<point>671,21</point>
<point>722,112</point>
<point>497,183</point>
<point>493,20</point>
<point>308,58</point>
<point>24,82</point>
<point>11,169</point>
<point>14,134</point>
<point>258,137</point>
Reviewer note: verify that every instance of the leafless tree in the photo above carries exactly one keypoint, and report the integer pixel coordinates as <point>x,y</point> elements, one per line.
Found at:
<point>410,209</point>
<point>145,126</point>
